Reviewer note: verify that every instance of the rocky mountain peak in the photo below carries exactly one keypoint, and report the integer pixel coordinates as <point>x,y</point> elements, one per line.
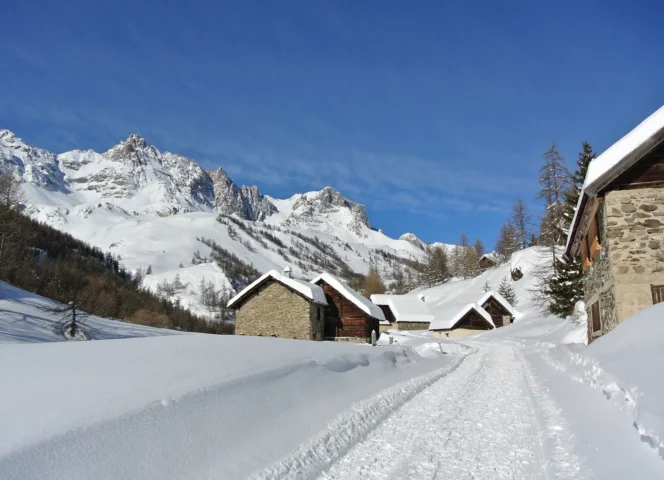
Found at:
<point>412,239</point>
<point>246,202</point>
<point>134,149</point>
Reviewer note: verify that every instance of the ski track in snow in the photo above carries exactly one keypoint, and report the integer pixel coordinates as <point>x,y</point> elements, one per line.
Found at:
<point>486,419</point>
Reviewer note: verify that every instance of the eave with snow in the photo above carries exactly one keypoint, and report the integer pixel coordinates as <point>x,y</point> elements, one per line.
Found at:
<point>407,312</point>
<point>618,228</point>
<point>348,315</point>
<point>490,311</point>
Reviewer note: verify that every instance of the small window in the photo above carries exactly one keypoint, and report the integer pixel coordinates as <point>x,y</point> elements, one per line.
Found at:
<point>657,294</point>
<point>596,319</point>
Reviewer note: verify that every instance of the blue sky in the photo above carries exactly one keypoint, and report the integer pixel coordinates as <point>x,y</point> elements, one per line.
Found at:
<point>433,114</point>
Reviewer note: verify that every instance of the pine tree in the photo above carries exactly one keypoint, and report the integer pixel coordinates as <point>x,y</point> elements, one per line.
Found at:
<point>486,287</point>
<point>11,199</point>
<point>564,287</point>
<point>521,220</point>
<point>507,291</point>
<point>149,270</point>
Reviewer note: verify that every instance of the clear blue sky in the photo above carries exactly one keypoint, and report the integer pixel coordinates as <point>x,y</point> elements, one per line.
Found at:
<point>433,114</point>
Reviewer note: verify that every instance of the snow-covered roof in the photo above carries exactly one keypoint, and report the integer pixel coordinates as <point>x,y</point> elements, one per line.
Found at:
<point>449,323</point>
<point>616,159</point>
<point>306,289</point>
<point>499,298</point>
<point>351,295</point>
<point>406,308</point>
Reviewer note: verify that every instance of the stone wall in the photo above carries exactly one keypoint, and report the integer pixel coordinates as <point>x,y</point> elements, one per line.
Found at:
<point>411,326</point>
<point>274,310</point>
<point>631,261</point>
<point>599,282</point>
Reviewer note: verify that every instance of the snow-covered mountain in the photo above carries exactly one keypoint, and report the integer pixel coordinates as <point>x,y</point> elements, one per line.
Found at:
<point>164,210</point>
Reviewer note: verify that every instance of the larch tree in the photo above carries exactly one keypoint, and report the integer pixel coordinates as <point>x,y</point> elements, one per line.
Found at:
<point>436,268</point>
<point>11,200</point>
<point>373,283</point>
<point>521,219</point>
<point>554,181</point>
<point>479,248</point>
<point>507,242</point>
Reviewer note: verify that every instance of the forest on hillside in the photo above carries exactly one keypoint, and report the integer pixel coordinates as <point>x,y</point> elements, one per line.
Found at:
<point>45,261</point>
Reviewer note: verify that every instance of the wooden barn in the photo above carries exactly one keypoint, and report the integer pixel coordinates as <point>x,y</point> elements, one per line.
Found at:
<point>469,320</point>
<point>500,309</point>
<point>488,260</point>
<point>348,315</point>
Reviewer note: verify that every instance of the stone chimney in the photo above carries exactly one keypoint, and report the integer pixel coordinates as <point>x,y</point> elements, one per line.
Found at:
<point>287,272</point>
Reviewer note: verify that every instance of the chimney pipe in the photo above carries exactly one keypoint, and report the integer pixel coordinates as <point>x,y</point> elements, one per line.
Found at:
<point>287,272</point>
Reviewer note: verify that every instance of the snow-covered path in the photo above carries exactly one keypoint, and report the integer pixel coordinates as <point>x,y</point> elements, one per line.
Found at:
<point>488,419</point>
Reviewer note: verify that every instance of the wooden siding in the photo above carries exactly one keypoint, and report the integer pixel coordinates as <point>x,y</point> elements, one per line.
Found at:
<point>473,321</point>
<point>647,173</point>
<point>387,311</point>
<point>497,311</point>
<point>343,318</point>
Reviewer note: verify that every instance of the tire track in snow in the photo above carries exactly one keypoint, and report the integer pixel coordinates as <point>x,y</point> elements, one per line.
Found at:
<point>351,427</point>
<point>482,421</point>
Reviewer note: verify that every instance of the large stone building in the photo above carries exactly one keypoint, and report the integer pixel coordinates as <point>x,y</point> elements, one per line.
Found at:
<point>348,315</point>
<point>276,305</point>
<point>618,227</point>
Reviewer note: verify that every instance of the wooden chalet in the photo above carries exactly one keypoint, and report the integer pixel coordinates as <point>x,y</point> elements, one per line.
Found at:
<point>348,315</point>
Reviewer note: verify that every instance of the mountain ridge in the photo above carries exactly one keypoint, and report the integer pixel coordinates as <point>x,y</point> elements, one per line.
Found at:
<point>156,208</point>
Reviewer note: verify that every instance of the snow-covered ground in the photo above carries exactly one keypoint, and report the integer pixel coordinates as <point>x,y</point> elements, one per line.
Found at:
<point>520,402</point>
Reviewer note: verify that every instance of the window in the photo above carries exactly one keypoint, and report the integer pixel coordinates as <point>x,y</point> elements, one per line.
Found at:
<point>657,294</point>
<point>596,319</point>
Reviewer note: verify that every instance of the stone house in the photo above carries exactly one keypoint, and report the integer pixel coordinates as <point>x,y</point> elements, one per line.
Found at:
<point>456,319</point>
<point>277,305</point>
<point>348,315</point>
<point>617,228</point>
<point>403,312</point>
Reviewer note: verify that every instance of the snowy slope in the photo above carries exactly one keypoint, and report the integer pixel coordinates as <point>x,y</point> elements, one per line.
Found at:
<point>24,320</point>
<point>447,299</point>
<point>194,406</point>
<point>150,208</point>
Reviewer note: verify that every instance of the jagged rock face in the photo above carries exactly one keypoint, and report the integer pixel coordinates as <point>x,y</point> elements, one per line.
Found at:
<point>246,202</point>
<point>33,165</point>
<point>327,202</point>
<point>412,239</point>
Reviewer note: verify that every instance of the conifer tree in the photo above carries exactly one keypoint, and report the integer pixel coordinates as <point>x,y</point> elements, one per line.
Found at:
<point>507,291</point>
<point>555,181</point>
<point>521,220</point>
<point>436,268</point>
<point>486,287</point>
<point>506,244</point>
<point>562,286</point>
<point>373,283</point>
<point>479,248</point>
<point>533,240</point>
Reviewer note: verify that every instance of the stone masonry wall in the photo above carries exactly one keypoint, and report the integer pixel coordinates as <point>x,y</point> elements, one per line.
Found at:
<point>598,282</point>
<point>275,310</point>
<point>411,326</point>
<point>635,234</point>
